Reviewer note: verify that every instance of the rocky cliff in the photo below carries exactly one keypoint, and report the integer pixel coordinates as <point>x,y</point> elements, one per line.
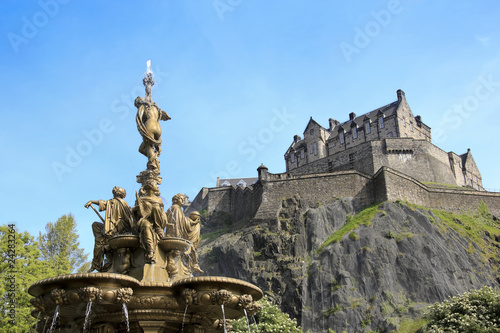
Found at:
<point>343,268</point>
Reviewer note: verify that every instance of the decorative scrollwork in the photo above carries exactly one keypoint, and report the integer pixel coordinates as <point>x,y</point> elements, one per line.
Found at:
<point>253,308</point>
<point>59,297</point>
<point>38,303</point>
<point>220,297</point>
<point>244,301</point>
<point>90,294</point>
<point>219,325</point>
<point>123,295</point>
<point>190,296</point>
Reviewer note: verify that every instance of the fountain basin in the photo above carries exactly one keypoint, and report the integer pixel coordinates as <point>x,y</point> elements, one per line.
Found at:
<point>201,298</point>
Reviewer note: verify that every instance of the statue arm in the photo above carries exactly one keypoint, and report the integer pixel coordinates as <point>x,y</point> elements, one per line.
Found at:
<point>95,202</point>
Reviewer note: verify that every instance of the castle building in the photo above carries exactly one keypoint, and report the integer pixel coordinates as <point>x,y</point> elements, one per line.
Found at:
<point>389,136</point>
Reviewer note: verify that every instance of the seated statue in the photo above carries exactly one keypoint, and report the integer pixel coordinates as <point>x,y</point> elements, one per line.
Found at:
<point>184,227</point>
<point>118,220</point>
<point>150,218</point>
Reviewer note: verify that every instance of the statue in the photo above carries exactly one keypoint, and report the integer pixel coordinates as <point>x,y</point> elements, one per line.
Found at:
<point>188,228</point>
<point>148,124</point>
<point>118,220</point>
<point>150,218</point>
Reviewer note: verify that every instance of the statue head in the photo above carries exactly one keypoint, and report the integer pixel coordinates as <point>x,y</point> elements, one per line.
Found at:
<point>178,199</point>
<point>195,215</point>
<point>150,186</point>
<point>119,192</point>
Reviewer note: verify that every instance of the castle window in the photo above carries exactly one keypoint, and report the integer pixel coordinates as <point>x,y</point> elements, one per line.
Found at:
<point>404,122</point>
<point>341,137</point>
<point>312,148</point>
<point>302,154</point>
<point>368,129</point>
<point>315,148</point>
<point>242,183</point>
<point>389,135</point>
<point>354,132</point>
<point>293,157</point>
<point>311,131</point>
<point>411,126</point>
<point>351,158</point>
<point>381,122</point>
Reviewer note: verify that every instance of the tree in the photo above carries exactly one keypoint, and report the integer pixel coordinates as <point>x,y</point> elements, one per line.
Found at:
<point>269,319</point>
<point>20,268</point>
<point>60,247</point>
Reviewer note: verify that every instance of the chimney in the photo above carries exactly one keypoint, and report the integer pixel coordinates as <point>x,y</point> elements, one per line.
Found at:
<point>418,119</point>
<point>296,138</point>
<point>401,95</point>
<point>332,123</point>
<point>352,115</point>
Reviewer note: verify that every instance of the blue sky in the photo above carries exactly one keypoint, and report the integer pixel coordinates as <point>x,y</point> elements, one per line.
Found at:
<point>238,77</point>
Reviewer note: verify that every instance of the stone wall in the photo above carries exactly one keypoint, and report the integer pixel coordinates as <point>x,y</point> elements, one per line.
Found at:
<point>419,158</point>
<point>263,200</point>
<point>392,185</point>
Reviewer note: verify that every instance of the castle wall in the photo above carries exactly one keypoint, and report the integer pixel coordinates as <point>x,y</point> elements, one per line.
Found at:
<point>418,158</point>
<point>263,200</point>
<point>391,185</point>
<point>357,158</point>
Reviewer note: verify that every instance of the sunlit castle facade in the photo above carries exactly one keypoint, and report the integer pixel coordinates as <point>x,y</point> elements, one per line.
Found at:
<point>388,136</point>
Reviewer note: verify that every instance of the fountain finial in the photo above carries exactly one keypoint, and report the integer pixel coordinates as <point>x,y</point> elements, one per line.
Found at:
<point>148,124</point>
<point>148,82</point>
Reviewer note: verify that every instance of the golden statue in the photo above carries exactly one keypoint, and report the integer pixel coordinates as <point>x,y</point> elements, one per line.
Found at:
<point>148,124</point>
<point>184,227</point>
<point>150,218</point>
<point>118,220</point>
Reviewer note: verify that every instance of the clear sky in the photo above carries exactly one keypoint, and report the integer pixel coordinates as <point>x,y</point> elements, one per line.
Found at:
<point>238,77</point>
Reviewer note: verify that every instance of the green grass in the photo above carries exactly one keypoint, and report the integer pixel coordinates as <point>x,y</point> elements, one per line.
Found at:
<point>473,225</point>
<point>353,222</point>
<point>411,326</point>
<point>213,235</point>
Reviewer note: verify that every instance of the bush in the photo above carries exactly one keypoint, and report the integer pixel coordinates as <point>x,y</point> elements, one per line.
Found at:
<point>475,311</point>
<point>269,319</point>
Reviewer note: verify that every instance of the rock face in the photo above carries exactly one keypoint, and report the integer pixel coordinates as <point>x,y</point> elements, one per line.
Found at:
<point>370,279</point>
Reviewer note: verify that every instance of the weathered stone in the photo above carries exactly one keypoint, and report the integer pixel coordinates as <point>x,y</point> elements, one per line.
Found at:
<point>352,285</point>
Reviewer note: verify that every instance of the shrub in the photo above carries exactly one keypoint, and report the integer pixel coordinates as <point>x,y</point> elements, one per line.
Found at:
<point>269,319</point>
<point>475,311</point>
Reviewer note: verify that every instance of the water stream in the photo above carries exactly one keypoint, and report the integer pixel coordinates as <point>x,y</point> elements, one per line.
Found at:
<point>86,324</point>
<point>224,318</point>
<point>37,321</point>
<point>255,322</point>
<point>125,314</point>
<point>54,319</point>
<point>184,318</point>
<point>45,325</point>
<point>246,316</point>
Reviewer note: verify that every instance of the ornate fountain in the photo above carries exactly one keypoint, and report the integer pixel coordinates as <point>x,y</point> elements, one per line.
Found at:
<point>145,261</point>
